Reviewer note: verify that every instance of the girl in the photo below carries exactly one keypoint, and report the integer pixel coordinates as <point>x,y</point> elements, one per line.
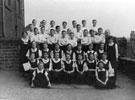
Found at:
<point>45,49</point>
<point>40,77</point>
<point>91,51</point>
<point>47,62</point>
<point>100,51</point>
<point>57,68</point>
<point>58,50</point>
<point>86,40</point>
<point>34,49</point>
<point>101,76</point>
<point>80,68</point>
<point>24,46</point>
<point>79,51</point>
<point>90,70</point>
<point>63,41</point>
<point>52,39</point>
<point>112,53</point>
<point>69,68</point>
<point>70,52</point>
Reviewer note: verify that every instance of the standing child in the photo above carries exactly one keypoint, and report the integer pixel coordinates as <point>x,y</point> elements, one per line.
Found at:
<point>40,77</point>
<point>69,68</point>
<point>57,68</point>
<point>24,46</point>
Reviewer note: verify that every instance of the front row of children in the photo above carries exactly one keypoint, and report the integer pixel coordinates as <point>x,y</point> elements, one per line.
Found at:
<point>45,71</point>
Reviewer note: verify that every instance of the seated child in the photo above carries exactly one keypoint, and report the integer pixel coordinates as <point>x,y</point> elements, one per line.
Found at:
<point>45,49</point>
<point>69,68</point>
<point>57,68</point>
<point>100,51</point>
<point>90,70</point>
<point>40,77</point>
<point>34,49</point>
<point>101,76</point>
<point>79,51</point>
<point>80,68</point>
<point>58,50</point>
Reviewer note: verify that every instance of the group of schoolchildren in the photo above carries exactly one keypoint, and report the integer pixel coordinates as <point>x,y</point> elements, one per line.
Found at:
<point>77,55</point>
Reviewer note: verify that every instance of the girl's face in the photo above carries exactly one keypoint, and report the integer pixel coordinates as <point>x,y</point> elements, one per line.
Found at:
<point>80,57</point>
<point>45,56</point>
<point>102,46</point>
<point>57,47</point>
<point>101,65</point>
<point>104,57</point>
<point>41,66</point>
<point>56,56</point>
<point>91,57</point>
<point>32,56</point>
<point>110,40</point>
<point>45,46</point>
<point>79,47</point>
<point>34,45</point>
<point>52,32</point>
<point>69,47</point>
<point>90,47</point>
<point>68,57</point>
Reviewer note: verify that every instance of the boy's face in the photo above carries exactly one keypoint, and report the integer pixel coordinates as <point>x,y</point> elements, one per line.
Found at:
<point>84,23</point>
<point>92,33</point>
<point>58,29</point>
<point>94,22</point>
<point>31,27</point>
<point>42,29</point>
<point>72,35</point>
<point>36,31</point>
<point>74,23</point>
<point>100,31</point>
<point>44,22</point>
<point>78,27</point>
<point>52,23</point>
<point>85,32</point>
<point>64,34</point>
<point>64,24</point>
<point>34,22</point>
<point>52,32</point>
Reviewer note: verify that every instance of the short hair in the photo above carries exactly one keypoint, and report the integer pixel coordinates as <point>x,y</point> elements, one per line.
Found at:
<point>64,22</point>
<point>83,20</point>
<point>57,26</point>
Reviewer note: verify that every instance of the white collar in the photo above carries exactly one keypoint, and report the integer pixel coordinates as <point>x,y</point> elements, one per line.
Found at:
<point>111,44</point>
<point>34,50</point>
<point>56,61</point>
<point>105,62</point>
<point>92,51</point>
<point>101,51</point>
<point>91,61</point>
<point>103,69</point>
<point>46,60</point>
<point>40,71</point>
<point>68,62</point>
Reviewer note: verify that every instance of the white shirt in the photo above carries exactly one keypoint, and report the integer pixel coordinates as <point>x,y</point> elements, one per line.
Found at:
<point>42,37</point>
<point>83,28</point>
<point>73,42</point>
<point>52,40</point>
<point>34,38</point>
<point>95,28</point>
<point>79,35</point>
<point>30,33</point>
<point>63,41</point>
<point>86,40</point>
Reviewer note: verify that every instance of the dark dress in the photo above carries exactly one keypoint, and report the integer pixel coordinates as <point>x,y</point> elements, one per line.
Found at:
<point>60,53</point>
<point>45,51</point>
<point>36,52</point>
<point>99,53</point>
<point>90,75</point>
<point>40,80</point>
<point>79,53</point>
<point>24,46</point>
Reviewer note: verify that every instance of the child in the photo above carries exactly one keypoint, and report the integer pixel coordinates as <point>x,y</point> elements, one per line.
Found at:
<point>34,49</point>
<point>57,68</point>
<point>84,25</point>
<point>34,37</point>
<point>74,23</point>
<point>52,25</point>
<point>30,31</point>
<point>47,61</point>
<point>52,39</point>
<point>79,33</point>
<point>101,76</point>
<point>94,26</point>
<point>63,41</point>
<point>80,68</point>
<point>90,50</point>
<point>112,53</point>
<point>79,51</point>
<point>86,40</point>
<point>24,46</point>
<point>45,49</point>
<point>100,51</point>
<point>70,52</point>
<point>58,50</point>
<point>40,77</point>
<point>58,32</point>
<point>64,25</point>
<point>90,70</point>
<point>69,68</point>
<point>72,40</point>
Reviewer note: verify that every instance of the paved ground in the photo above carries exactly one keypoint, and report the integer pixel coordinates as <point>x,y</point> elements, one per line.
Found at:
<point>13,87</point>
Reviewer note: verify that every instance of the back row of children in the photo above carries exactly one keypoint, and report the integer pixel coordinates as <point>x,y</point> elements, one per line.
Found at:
<point>69,57</point>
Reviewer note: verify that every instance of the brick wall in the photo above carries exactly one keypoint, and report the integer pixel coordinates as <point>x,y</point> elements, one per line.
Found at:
<point>9,54</point>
